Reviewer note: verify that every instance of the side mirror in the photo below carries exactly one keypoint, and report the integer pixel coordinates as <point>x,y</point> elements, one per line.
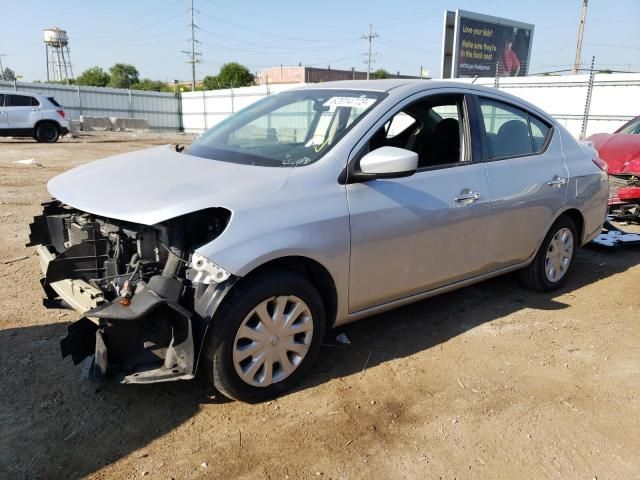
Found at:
<point>388,162</point>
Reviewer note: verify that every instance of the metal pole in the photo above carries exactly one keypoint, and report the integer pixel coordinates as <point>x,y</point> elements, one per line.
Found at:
<point>180,120</point>
<point>370,38</point>
<point>70,66</point>
<point>46,52</point>
<point>369,61</point>
<point>193,52</point>
<point>496,81</point>
<point>64,64</point>
<point>204,108</point>
<point>130,104</point>
<point>1,67</point>
<point>587,105</point>
<point>79,99</point>
<point>583,16</point>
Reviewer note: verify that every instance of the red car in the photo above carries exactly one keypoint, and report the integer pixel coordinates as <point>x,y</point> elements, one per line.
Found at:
<point>621,151</point>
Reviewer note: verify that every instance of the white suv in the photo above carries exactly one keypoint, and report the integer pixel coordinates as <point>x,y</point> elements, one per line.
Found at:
<point>31,115</point>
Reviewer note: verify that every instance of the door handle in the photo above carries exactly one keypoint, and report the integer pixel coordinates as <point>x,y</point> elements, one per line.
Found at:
<point>557,181</point>
<point>467,197</point>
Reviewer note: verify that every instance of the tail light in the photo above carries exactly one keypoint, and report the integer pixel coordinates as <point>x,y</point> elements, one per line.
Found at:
<point>61,113</point>
<point>601,164</point>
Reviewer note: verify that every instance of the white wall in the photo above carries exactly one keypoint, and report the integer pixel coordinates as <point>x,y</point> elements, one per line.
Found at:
<point>202,110</point>
<point>615,100</point>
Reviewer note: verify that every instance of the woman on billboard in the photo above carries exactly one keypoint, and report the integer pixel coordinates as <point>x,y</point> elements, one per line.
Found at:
<point>510,63</point>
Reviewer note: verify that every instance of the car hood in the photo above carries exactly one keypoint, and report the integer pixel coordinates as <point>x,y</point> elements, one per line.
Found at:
<point>620,151</point>
<point>157,184</point>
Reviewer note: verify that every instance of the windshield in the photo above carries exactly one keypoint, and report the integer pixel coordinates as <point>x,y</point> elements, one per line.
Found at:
<point>293,128</point>
<point>632,127</point>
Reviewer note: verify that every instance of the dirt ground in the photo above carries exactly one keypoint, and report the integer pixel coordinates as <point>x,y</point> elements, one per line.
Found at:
<point>491,381</point>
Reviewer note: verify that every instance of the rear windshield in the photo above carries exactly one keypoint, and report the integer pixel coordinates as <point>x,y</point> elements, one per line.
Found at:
<point>53,100</point>
<point>632,128</point>
<point>293,128</point>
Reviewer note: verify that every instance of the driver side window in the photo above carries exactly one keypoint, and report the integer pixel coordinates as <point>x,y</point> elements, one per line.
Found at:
<point>433,128</point>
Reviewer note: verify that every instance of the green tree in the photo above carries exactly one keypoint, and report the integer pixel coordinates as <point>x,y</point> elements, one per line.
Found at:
<point>151,86</point>
<point>123,75</point>
<point>234,75</point>
<point>8,75</point>
<point>93,77</point>
<point>380,74</point>
<point>210,82</point>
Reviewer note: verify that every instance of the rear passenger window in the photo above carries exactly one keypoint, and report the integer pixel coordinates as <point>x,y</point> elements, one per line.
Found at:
<point>539,133</point>
<point>19,101</point>
<point>510,131</point>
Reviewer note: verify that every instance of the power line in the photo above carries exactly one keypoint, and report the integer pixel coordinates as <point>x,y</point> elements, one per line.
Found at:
<point>369,37</point>
<point>270,48</point>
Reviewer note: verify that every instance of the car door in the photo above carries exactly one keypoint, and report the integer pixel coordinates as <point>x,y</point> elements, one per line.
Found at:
<point>21,110</point>
<point>416,233</point>
<point>528,179</point>
<point>4,123</point>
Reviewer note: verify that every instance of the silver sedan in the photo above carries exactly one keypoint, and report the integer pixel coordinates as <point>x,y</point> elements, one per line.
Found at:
<point>309,209</point>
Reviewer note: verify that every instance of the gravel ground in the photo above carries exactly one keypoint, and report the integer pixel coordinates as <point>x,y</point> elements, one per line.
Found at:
<point>491,381</point>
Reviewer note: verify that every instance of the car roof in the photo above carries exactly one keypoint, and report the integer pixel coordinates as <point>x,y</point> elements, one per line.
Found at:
<point>18,92</point>
<point>398,87</point>
<point>390,84</point>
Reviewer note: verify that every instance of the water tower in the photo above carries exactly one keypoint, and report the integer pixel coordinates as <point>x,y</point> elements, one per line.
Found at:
<point>58,57</point>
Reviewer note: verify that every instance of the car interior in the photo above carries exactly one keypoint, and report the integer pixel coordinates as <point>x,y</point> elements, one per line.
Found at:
<point>431,128</point>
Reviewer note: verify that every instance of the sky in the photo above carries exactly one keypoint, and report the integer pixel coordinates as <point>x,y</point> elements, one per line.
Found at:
<point>259,34</point>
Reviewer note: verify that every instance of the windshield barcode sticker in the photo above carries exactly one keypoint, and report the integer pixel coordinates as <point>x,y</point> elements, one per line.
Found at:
<point>354,102</point>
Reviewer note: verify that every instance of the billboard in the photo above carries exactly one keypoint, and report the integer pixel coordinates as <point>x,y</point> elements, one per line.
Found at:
<point>480,45</point>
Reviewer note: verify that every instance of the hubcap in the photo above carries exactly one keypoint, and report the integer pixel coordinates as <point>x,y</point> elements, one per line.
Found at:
<point>272,340</point>
<point>559,255</point>
<point>48,132</point>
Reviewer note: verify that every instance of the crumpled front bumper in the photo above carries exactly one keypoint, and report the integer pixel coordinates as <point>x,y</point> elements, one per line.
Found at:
<point>151,338</point>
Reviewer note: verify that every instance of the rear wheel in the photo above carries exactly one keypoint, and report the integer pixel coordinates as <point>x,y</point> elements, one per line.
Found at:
<point>47,132</point>
<point>265,337</point>
<point>551,266</point>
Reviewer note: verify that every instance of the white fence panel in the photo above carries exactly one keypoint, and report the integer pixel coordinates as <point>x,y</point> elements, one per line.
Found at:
<point>614,99</point>
<point>161,110</point>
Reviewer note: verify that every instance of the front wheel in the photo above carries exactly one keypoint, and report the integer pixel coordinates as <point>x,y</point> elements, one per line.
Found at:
<point>265,337</point>
<point>552,263</point>
<point>47,132</point>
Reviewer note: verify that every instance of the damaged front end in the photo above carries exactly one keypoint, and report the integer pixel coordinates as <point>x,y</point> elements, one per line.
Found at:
<point>146,295</point>
<point>624,197</point>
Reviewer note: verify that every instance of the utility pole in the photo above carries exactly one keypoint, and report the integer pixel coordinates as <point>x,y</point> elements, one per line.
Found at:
<point>1,67</point>
<point>193,55</point>
<point>370,38</point>
<point>583,16</point>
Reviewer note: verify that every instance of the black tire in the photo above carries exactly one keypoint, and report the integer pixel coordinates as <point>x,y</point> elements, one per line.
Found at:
<point>47,132</point>
<point>534,276</point>
<point>248,294</point>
